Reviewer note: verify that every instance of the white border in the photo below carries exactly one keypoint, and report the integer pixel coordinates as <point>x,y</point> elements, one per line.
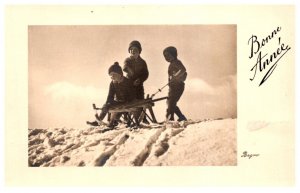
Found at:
<point>115,2</point>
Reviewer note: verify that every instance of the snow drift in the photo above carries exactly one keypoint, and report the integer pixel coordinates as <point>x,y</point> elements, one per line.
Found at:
<point>191,143</point>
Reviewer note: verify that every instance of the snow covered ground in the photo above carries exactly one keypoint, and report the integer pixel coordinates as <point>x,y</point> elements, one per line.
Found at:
<point>191,143</point>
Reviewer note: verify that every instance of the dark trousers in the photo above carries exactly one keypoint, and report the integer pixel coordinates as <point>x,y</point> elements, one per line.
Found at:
<point>139,91</point>
<point>175,92</point>
<point>114,116</point>
<point>140,95</point>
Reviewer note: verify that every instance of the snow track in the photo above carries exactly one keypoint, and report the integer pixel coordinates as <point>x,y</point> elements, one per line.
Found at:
<point>207,142</point>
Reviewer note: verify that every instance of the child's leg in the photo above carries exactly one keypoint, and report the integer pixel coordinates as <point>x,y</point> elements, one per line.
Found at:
<point>171,109</point>
<point>114,118</point>
<point>140,95</point>
<point>139,90</point>
<point>181,116</point>
<point>102,114</point>
<point>104,111</point>
<point>174,96</point>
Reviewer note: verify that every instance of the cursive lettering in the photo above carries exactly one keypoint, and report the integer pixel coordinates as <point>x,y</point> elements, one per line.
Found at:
<point>266,63</point>
<point>248,155</point>
<point>258,45</point>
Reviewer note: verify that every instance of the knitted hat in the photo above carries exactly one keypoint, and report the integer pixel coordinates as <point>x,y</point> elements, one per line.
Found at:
<point>115,68</point>
<point>171,50</point>
<point>136,44</point>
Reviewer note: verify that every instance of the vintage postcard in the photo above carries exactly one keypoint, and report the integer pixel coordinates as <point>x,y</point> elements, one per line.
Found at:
<point>200,95</point>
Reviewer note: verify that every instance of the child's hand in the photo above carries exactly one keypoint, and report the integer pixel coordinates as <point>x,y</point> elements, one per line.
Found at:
<point>129,72</point>
<point>137,82</point>
<point>174,77</point>
<point>178,76</point>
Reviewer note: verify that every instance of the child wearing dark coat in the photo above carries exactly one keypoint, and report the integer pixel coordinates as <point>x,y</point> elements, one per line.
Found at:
<point>136,68</point>
<point>120,92</point>
<point>176,76</point>
<point>137,71</point>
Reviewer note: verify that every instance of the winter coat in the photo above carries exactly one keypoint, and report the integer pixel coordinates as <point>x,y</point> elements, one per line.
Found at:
<point>140,71</point>
<point>139,68</point>
<point>120,92</point>
<point>174,67</point>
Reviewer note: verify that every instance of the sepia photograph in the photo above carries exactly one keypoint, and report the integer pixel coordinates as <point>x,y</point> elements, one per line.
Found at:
<point>150,95</point>
<point>132,95</point>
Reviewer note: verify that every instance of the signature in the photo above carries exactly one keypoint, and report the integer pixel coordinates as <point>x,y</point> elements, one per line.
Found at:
<point>249,155</point>
<point>266,63</point>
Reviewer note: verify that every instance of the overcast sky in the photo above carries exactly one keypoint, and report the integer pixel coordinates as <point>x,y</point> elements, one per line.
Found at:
<point>68,69</point>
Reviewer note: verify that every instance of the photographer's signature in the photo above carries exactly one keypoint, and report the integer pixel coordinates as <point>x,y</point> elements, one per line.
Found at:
<point>249,155</point>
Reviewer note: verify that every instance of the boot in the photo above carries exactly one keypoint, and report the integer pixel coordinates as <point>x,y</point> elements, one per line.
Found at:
<point>169,117</point>
<point>181,116</point>
<point>94,123</point>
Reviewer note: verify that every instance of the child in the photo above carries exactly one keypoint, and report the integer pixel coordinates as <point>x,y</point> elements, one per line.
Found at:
<point>120,92</point>
<point>177,75</point>
<point>136,68</point>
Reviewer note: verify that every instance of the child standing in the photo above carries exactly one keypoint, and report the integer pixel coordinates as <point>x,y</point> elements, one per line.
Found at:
<point>176,76</point>
<point>136,68</point>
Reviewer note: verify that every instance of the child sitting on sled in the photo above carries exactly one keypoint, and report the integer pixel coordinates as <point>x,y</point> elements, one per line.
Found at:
<point>120,92</point>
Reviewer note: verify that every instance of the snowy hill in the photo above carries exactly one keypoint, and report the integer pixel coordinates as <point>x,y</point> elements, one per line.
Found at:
<point>191,143</point>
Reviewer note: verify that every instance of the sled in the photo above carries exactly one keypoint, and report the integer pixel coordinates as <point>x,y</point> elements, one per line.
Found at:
<point>128,110</point>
